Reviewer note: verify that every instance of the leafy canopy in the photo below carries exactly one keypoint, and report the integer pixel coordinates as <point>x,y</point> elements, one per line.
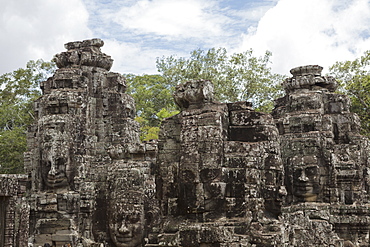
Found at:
<point>354,80</point>
<point>18,90</point>
<point>151,94</point>
<point>236,77</point>
<point>153,99</point>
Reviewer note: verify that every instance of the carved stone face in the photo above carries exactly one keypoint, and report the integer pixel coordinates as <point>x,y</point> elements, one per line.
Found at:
<point>126,208</point>
<point>54,175</point>
<point>126,224</point>
<point>306,183</point>
<point>56,168</point>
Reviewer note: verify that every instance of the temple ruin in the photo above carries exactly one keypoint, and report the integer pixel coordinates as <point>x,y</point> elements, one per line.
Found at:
<point>220,175</point>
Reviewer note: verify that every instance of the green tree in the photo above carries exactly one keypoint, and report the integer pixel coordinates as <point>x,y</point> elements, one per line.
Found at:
<point>238,77</point>
<point>153,99</point>
<point>18,91</point>
<point>149,132</point>
<point>354,80</point>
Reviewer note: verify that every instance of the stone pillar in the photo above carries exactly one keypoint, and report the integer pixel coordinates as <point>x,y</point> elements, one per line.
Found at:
<point>325,158</point>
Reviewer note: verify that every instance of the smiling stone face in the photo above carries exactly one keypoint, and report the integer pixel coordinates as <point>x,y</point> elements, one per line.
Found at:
<point>306,183</point>
<point>126,224</point>
<point>126,216</point>
<point>56,168</point>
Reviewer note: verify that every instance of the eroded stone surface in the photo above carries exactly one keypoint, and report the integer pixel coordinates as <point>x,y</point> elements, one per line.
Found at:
<point>326,163</point>
<point>220,174</point>
<point>14,210</point>
<point>243,178</point>
<point>84,128</point>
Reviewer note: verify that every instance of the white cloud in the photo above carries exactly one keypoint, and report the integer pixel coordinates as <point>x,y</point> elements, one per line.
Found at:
<point>253,10</point>
<point>133,58</point>
<point>300,32</point>
<point>38,29</point>
<point>174,19</point>
<point>136,32</point>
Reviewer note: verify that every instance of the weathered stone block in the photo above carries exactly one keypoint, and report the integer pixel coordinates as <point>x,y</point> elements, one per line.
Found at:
<point>249,118</point>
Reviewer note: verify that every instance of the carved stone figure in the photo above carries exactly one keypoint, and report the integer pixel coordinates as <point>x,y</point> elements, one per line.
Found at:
<point>84,123</point>
<point>131,213</point>
<point>219,171</point>
<point>306,184</point>
<point>220,175</point>
<point>324,157</point>
<point>126,210</point>
<point>57,170</point>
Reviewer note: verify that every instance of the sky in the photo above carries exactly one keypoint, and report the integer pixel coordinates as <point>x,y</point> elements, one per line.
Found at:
<point>137,32</point>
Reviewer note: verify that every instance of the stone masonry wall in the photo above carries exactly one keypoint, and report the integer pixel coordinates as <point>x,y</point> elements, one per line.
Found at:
<point>14,211</point>
<point>84,129</point>
<point>326,163</point>
<point>221,174</point>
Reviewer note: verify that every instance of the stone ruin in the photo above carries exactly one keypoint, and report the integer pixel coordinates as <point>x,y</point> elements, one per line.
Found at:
<point>221,174</point>
<point>85,156</point>
<point>14,210</point>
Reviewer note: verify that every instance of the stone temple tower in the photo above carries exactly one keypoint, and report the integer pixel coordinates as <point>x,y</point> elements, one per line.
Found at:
<point>84,123</point>
<point>220,175</point>
<point>326,161</point>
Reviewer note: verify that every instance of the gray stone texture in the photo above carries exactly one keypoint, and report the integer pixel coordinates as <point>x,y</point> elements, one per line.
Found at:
<point>220,175</point>
<point>326,163</point>
<point>14,210</point>
<point>81,147</point>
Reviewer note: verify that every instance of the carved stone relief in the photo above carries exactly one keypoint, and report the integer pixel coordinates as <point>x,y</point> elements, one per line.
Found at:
<point>221,174</point>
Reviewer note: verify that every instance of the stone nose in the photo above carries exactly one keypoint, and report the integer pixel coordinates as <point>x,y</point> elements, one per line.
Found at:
<point>53,170</point>
<point>303,177</point>
<point>123,228</point>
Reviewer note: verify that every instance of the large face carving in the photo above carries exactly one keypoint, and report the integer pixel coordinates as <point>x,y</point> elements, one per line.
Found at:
<point>306,185</point>
<point>126,209</point>
<point>56,168</point>
<point>126,224</point>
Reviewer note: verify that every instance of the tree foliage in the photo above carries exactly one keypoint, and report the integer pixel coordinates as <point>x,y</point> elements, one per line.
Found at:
<point>354,80</point>
<point>153,99</point>
<point>151,94</point>
<point>149,132</point>
<point>238,77</point>
<point>18,90</point>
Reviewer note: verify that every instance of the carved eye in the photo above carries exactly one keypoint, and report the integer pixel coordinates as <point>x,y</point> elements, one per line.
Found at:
<point>133,218</point>
<point>61,162</point>
<point>46,165</point>
<point>47,138</point>
<point>311,171</point>
<point>297,173</point>
<point>120,217</point>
